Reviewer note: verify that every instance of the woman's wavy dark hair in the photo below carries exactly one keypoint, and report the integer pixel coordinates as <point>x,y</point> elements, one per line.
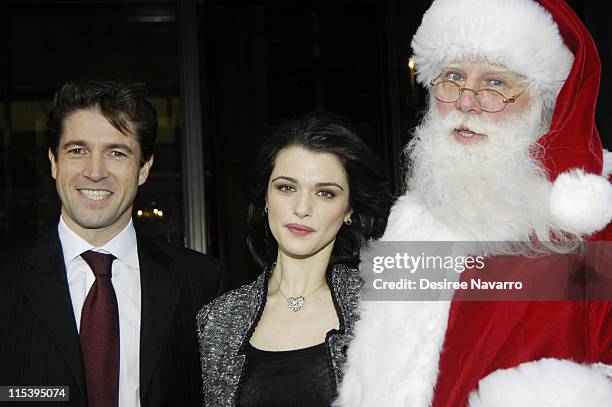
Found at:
<point>368,185</point>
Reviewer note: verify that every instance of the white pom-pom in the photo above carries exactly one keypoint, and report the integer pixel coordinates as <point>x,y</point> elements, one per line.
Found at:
<point>581,203</point>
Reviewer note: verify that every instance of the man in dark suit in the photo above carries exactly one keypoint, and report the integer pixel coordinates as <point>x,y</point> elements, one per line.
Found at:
<point>92,305</point>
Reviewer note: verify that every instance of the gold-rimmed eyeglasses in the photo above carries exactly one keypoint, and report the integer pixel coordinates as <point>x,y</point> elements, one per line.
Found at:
<point>489,100</point>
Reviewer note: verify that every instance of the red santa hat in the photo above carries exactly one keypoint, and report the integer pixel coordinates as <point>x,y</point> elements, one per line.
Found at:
<point>548,44</point>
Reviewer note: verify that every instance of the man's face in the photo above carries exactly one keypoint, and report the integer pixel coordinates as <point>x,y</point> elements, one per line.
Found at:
<point>97,172</point>
<point>478,75</point>
<point>479,170</point>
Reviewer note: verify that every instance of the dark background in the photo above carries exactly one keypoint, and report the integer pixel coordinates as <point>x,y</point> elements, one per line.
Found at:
<point>250,65</point>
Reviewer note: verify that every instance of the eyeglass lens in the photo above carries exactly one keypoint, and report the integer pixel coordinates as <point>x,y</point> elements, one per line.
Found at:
<point>488,99</point>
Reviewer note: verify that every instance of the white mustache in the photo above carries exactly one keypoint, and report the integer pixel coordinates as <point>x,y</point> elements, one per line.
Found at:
<point>477,124</point>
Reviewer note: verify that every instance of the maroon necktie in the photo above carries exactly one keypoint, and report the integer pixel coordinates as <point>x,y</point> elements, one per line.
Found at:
<point>100,334</point>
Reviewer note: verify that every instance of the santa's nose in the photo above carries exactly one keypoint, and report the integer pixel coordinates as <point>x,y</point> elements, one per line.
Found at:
<point>467,102</point>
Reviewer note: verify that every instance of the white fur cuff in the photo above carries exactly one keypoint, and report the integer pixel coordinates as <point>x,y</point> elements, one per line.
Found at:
<point>545,383</point>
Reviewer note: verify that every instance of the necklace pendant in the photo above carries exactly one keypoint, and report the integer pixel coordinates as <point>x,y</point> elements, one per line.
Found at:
<point>295,303</point>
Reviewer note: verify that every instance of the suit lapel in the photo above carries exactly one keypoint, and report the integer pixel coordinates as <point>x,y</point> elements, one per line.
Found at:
<point>159,295</point>
<point>45,284</point>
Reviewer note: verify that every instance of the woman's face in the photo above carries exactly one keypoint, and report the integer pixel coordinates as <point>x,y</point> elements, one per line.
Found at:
<point>308,199</point>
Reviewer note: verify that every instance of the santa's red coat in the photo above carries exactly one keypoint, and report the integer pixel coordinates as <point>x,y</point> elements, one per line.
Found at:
<point>485,336</point>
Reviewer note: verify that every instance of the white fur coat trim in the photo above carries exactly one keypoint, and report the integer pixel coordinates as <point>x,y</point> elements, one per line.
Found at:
<point>393,360</point>
<point>545,383</point>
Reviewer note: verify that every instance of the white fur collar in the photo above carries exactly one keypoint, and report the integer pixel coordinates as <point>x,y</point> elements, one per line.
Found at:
<point>398,342</point>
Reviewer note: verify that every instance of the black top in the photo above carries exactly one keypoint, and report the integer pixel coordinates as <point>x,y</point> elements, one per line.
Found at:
<point>298,377</point>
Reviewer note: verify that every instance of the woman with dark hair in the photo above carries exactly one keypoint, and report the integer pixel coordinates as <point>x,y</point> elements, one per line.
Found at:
<point>318,194</point>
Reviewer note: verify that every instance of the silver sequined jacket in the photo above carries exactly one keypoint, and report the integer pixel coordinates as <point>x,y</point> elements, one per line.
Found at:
<point>226,325</point>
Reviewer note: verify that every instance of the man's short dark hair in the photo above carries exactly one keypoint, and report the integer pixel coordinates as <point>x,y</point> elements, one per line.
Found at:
<point>122,104</point>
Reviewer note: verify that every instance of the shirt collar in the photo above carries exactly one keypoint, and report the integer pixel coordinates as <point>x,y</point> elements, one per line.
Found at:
<point>123,246</point>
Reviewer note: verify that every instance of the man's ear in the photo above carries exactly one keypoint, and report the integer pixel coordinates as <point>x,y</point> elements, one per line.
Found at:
<point>53,160</point>
<point>143,174</point>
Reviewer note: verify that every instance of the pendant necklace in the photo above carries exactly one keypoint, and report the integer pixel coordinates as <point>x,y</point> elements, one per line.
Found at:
<point>296,303</point>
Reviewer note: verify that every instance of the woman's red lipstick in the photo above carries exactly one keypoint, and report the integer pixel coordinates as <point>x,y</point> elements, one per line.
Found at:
<point>300,230</point>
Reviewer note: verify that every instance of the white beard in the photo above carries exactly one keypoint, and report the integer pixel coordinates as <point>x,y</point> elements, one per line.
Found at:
<point>491,190</point>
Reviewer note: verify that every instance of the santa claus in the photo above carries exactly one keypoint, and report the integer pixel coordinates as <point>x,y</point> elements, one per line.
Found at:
<point>508,151</point>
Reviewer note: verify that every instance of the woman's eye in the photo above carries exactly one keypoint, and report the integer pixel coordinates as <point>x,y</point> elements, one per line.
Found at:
<point>326,194</point>
<point>285,188</point>
<point>496,83</point>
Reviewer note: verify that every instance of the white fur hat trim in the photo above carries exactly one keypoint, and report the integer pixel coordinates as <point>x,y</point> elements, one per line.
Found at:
<point>581,203</point>
<point>544,383</point>
<point>519,34</point>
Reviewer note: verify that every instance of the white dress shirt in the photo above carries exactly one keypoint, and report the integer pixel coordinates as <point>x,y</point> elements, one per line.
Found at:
<point>126,282</point>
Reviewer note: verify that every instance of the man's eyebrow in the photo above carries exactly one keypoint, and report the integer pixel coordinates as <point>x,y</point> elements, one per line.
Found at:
<point>111,146</point>
<point>453,67</point>
<point>74,143</point>
<point>319,184</point>
<point>119,146</point>
<point>492,71</point>
<point>503,72</point>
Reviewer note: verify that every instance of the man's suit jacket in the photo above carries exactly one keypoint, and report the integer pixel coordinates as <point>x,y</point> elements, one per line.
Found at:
<point>39,342</point>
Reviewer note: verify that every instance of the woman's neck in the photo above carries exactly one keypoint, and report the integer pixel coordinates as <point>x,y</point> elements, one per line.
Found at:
<point>300,276</point>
